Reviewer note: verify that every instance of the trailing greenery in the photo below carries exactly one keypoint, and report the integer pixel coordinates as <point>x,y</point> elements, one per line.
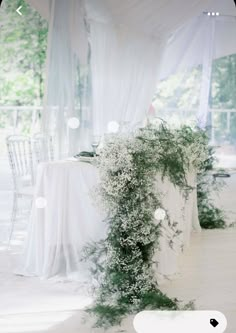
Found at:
<point>210,216</point>
<point>123,262</point>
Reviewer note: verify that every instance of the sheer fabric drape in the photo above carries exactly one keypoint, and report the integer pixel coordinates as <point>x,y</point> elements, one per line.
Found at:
<point>123,75</point>
<point>127,42</point>
<point>195,45</point>
<point>67,75</point>
<point>127,39</point>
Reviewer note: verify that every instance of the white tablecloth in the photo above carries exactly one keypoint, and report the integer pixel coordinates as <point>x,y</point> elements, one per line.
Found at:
<point>184,213</point>
<point>58,232</point>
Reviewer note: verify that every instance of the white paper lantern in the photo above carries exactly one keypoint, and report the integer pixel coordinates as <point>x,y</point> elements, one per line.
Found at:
<point>159,214</point>
<point>113,127</point>
<point>73,123</point>
<point>40,202</point>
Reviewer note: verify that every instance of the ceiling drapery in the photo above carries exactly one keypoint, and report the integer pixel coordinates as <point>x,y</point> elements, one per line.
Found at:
<point>198,42</point>
<point>127,39</point>
<point>185,48</point>
<point>127,42</point>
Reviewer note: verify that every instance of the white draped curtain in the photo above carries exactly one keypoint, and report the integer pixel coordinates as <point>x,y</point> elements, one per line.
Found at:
<point>67,78</point>
<point>199,42</point>
<point>124,73</point>
<point>127,40</point>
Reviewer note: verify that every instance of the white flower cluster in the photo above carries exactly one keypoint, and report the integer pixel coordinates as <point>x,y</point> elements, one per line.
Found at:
<point>115,165</point>
<point>128,165</point>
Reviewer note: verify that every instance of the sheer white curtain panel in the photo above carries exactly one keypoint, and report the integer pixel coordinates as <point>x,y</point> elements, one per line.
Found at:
<point>66,74</point>
<point>127,42</point>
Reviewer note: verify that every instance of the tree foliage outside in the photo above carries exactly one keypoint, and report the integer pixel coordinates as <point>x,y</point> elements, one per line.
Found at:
<point>182,92</point>
<point>23,42</point>
<point>223,96</point>
<point>179,91</point>
<point>224,83</point>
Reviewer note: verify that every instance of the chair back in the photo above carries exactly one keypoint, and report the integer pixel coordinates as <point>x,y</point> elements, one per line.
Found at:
<point>21,161</point>
<point>43,148</point>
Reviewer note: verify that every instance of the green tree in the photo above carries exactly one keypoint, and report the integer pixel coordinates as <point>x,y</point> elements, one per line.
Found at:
<point>224,83</point>
<point>23,41</point>
<point>223,96</point>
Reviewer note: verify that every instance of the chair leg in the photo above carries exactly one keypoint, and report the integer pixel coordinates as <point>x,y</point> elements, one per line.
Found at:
<point>13,216</point>
<point>31,204</point>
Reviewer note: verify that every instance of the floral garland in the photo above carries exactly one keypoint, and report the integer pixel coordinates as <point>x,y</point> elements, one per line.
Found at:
<point>128,165</point>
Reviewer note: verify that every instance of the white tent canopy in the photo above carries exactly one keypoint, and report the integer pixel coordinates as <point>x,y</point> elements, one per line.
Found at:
<point>148,16</point>
<point>186,46</point>
<point>127,39</point>
<point>140,20</point>
<point>198,42</point>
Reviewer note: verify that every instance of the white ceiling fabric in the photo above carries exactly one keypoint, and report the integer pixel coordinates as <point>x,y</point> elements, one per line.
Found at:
<point>42,6</point>
<point>224,7</point>
<point>151,17</point>
<point>198,42</point>
<point>157,17</point>
<point>187,44</point>
<point>127,39</point>
<point>185,49</point>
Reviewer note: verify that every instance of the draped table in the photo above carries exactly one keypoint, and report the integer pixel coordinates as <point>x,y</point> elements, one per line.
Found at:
<point>64,219</point>
<point>182,212</point>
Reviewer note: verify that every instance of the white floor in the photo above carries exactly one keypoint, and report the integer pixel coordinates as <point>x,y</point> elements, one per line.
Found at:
<point>208,274</point>
<point>30,305</point>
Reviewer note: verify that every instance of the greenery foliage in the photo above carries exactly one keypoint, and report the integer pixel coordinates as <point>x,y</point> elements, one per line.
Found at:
<point>123,262</point>
<point>210,216</point>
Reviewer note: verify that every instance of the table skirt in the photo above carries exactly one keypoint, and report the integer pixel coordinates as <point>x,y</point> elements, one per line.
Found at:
<point>69,219</point>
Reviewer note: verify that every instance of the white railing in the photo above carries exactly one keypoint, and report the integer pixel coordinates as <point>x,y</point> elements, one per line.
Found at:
<point>228,113</point>
<point>189,116</point>
<point>15,113</point>
<point>13,116</point>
